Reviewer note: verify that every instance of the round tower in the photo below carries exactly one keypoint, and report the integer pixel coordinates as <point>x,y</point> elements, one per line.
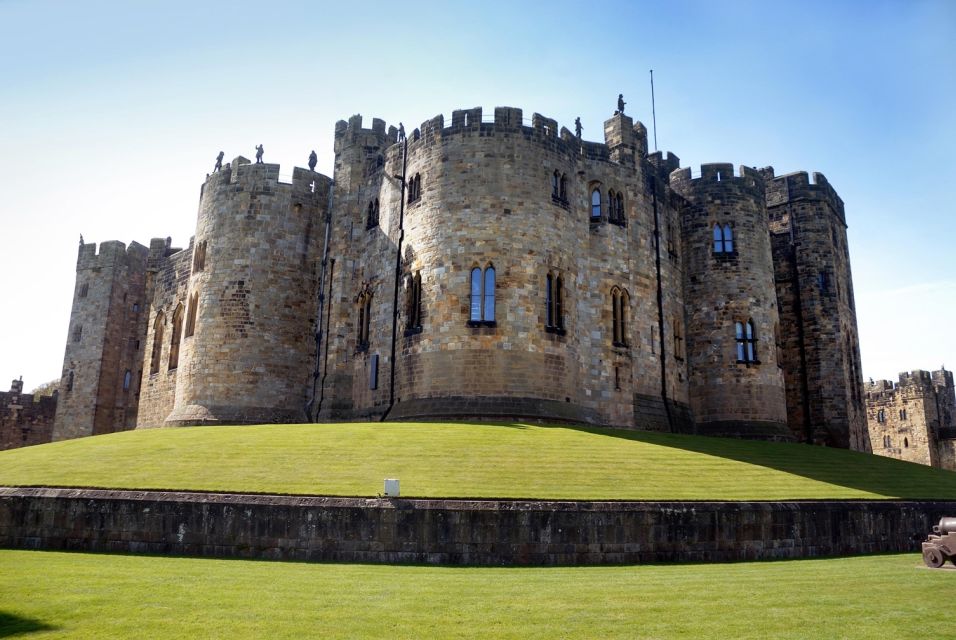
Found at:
<point>736,387</point>
<point>248,346</point>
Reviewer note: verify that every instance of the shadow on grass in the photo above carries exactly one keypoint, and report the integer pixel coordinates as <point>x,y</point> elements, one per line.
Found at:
<point>879,475</point>
<point>13,625</point>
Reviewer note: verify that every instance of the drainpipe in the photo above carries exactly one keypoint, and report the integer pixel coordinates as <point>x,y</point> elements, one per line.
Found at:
<point>398,273</point>
<point>319,327</point>
<point>660,305</point>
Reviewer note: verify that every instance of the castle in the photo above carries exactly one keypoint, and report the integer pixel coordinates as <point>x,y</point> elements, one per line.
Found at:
<point>488,267</point>
<point>915,419</point>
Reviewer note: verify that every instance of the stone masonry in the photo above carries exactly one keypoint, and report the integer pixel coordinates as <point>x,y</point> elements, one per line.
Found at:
<point>25,420</point>
<point>914,419</point>
<point>459,532</point>
<point>514,271</point>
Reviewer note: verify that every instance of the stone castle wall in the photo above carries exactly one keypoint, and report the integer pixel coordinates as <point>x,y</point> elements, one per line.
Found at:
<point>461,532</point>
<point>731,393</point>
<point>24,419</point>
<point>819,341</point>
<point>104,341</point>
<point>645,333</point>
<point>487,202</point>
<point>915,419</point>
<point>169,270</point>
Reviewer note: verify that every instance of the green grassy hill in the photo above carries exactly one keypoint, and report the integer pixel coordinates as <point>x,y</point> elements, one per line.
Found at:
<point>79,595</point>
<point>468,460</point>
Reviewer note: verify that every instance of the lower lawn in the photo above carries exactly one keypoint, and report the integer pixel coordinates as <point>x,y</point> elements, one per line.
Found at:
<point>65,595</point>
<point>468,460</point>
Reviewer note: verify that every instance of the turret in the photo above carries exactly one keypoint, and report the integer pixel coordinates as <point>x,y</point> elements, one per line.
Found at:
<point>103,349</point>
<point>247,344</point>
<point>735,385</point>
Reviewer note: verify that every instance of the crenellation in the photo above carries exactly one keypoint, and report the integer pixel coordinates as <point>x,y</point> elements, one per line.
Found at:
<point>798,186</point>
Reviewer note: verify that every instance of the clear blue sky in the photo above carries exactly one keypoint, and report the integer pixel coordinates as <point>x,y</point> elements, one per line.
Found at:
<point>111,114</point>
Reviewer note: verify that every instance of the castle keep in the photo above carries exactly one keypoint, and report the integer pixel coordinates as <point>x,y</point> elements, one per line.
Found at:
<point>914,419</point>
<point>490,266</point>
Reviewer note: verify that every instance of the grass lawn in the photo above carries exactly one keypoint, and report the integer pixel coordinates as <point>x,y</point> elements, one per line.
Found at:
<point>468,460</point>
<point>63,595</point>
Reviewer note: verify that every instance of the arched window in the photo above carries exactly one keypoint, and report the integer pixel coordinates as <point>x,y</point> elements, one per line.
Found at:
<point>414,188</point>
<point>619,313</point>
<point>549,300</point>
<point>364,318</point>
<point>554,303</point>
<point>564,188</point>
<point>77,333</point>
<point>482,296</point>
<point>746,342</point>
<point>723,239</point>
<point>596,205</point>
<point>127,379</point>
<point>157,342</point>
<point>906,443</point>
<point>616,207</point>
<point>69,381</point>
<point>191,314</point>
<point>488,315</point>
<point>199,257</point>
<point>415,303</point>
<point>559,302</point>
<point>84,290</point>
<point>371,216</point>
<point>475,295</point>
<point>556,185</point>
<point>175,338</point>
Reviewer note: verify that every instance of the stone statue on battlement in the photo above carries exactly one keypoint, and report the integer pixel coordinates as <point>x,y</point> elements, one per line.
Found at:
<point>577,127</point>
<point>218,162</point>
<point>312,160</point>
<point>620,104</point>
<point>259,152</point>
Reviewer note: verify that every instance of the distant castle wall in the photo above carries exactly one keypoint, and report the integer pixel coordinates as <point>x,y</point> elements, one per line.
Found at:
<point>914,419</point>
<point>24,419</point>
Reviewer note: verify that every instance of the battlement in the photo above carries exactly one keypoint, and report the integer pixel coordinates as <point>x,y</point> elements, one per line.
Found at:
<point>917,381</point>
<point>351,133</point>
<point>796,186</point>
<point>747,178</point>
<point>942,378</point>
<point>663,165</point>
<point>625,140</point>
<point>111,252</point>
<point>266,178</point>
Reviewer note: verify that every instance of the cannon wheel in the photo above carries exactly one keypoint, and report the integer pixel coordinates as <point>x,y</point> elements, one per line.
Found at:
<point>933,558</point>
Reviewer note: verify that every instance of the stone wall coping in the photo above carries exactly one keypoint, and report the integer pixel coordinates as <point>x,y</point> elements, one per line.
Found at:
<point>456,504</point>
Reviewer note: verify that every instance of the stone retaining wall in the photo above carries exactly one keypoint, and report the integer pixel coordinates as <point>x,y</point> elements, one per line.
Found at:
<point>475,532</point>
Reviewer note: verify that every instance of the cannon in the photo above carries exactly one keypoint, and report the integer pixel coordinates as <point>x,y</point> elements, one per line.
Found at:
<point>940,545</point>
